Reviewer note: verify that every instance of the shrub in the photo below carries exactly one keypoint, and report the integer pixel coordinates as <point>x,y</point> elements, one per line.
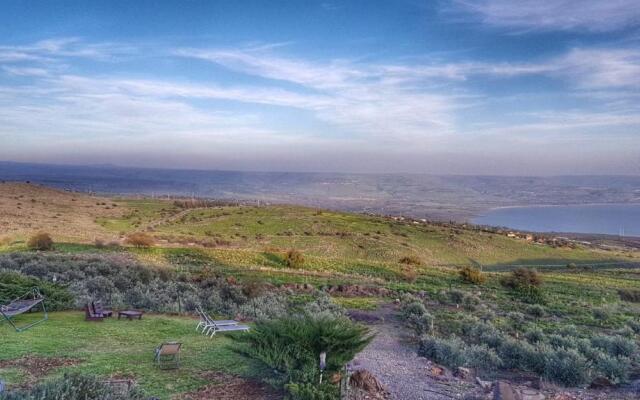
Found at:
<point>632,295</point>
<point>536,310</point>
<point>14,285</point>
<point>308,391</point>
<point>140,239</point>
<point>41,241</point>
<point>420,324</point>
<point>410,260</point>
<point>294,259</point>
<point>601,314</point>
<point>527,283</point>
<point>522,277</point>
<point>515,354</point>
<point>415,307</point>
<point>534,335</point>
<point>291,346</point>
<point>482,358</point>
<point>456,296</point>
<point>566,367</point>
<point>634,325</point>
<point>473,275</point>
<point>74,386</point>
<point>448,352</point>
<point>616,369</point>
<point>615,345</point>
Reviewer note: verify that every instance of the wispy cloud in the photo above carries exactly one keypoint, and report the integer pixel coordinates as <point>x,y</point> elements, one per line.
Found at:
<point>554,15</point>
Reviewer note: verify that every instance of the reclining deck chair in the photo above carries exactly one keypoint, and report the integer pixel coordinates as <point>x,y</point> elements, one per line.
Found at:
<point>167,355</point>
<point>206,321</point>
<point>23,304</point>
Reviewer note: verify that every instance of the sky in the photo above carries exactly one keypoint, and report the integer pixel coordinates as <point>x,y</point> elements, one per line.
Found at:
<point>507,87</point>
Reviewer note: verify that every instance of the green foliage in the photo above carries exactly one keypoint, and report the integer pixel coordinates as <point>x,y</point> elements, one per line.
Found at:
<point>294,259</point>
<point>41,241</point>
<point>536,310</point>
<point>449,352</point>
<point>616,346</point>
<point>632,295</point>
<point>473,275</point>
<point>14,285</point>
<point>526,283</point>
<point>616,369</point>
<point>482,358</point>
<point>309,391</point>
<point>74,387</point>
<point>292,345</point>
<point>566,367</point>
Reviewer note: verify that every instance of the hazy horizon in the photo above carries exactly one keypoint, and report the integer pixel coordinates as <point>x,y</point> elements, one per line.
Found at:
<point>493,87</point>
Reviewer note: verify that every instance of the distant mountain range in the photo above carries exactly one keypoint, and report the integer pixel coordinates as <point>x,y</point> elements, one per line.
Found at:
<point>454,197</point>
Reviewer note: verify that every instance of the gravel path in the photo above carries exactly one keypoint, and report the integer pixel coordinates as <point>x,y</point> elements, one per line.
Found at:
<point>396,364</point>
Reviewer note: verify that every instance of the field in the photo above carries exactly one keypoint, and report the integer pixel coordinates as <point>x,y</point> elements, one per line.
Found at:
<point>121,349</point>
<point>239,253</point>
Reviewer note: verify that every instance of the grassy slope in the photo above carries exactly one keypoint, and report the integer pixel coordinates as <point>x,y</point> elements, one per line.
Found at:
<point>338,248</point>
<point>125,349</point>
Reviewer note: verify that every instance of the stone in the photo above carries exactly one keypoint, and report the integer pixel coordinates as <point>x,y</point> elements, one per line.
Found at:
<point>504,391</point>
<point>485,385</point>
<point>463,373</point>
<point>601,382</point>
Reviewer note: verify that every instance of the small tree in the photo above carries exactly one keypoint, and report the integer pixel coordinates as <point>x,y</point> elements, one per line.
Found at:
<point>140,239</point>
<point>294,259</point>
<point>41,241</point>
<point>472,275</point>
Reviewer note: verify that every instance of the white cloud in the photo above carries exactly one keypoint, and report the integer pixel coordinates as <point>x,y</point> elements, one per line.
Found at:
<point>555,15</point>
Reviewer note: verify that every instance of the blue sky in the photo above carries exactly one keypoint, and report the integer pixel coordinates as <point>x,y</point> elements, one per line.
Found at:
<point>516,87</point>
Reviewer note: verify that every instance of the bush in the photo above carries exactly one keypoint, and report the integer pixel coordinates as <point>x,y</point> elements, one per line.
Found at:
<point>482,358</point>
<point>566,367</point>
<point>74,387</point>
<point>456,296</point>
<point>40,241</point>
<point>601,314</point>
<point>410,260</point>
<point>308,391</point>
<point>14,285</point>
<point>534,335</point>
<point>420,324</point>
<point>616,369</point>
<point>536,310</point>
<point>515,354</point>
<point>615,345</point>
<point>294,259</point>
<point>140,239</point>
<point>632,295</point>
<point>527,283</point>
<point>291,346</point>
<point>448,352</point>
<point>473,275</point>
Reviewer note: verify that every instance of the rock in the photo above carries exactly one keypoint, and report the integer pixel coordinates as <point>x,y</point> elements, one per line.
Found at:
<point>437,371</point>
<point>464,373</point>
<point>530,394</point>
<point>601,382</point>
<point>485,385</point>
<point>504,391</point>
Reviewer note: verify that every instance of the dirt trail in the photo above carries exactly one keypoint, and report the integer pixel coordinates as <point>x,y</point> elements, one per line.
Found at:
<point>396,364</point>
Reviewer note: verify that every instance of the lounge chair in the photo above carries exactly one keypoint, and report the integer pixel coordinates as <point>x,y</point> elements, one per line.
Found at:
<point>215,328</point>
<point>207,323</point>
<point>97,308</point>
<point>167,355</point>
<point>90,314</point>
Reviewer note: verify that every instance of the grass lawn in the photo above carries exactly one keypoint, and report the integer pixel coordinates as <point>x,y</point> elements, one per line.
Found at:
<point>122,348</point>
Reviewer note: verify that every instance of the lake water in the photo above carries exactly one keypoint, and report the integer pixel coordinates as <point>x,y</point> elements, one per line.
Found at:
<point>613,219</point>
